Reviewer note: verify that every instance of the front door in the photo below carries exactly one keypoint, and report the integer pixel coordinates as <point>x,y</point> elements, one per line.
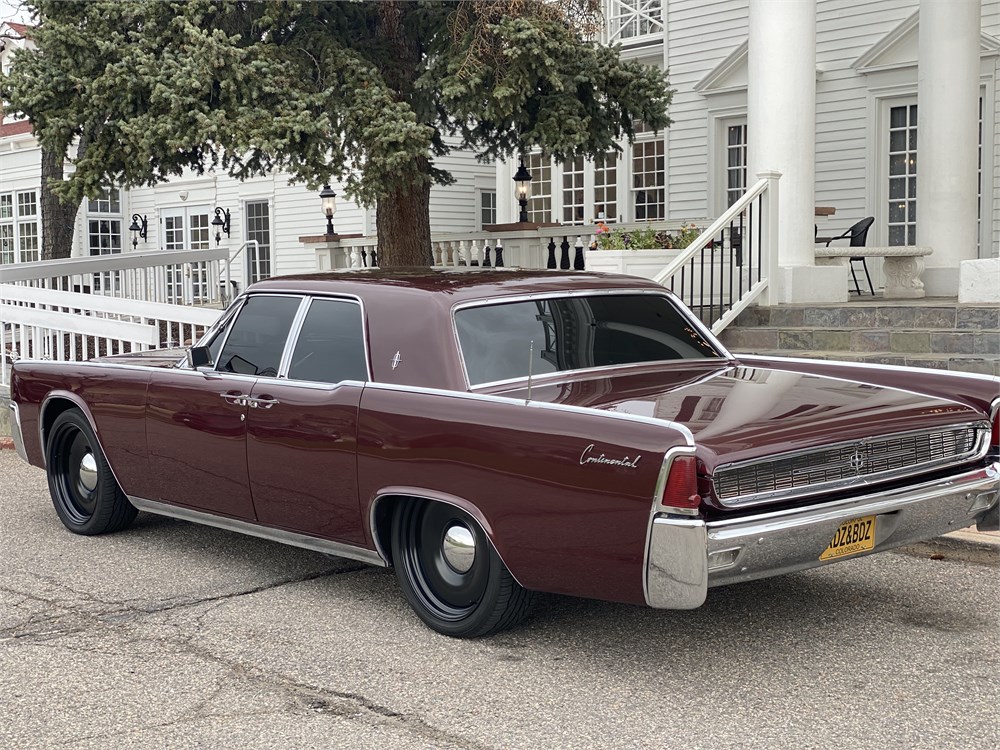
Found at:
<point>196,420</point>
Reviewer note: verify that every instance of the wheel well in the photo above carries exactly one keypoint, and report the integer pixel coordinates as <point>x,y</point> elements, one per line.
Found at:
<point>385,507</point>
<point>53,408</point>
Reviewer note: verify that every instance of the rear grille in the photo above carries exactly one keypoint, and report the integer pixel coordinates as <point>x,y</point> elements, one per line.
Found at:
<point>847,464</point>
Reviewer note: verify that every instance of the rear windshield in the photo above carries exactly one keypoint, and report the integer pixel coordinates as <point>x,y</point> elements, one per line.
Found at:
<point>572,333</point>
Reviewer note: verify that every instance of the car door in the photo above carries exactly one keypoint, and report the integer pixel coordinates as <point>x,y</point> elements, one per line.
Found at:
<point>302,427</point>
<point>196,418</point>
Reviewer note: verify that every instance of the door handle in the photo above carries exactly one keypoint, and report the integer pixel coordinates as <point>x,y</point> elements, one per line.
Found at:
<point>236,399</point>
<point>265,402</point>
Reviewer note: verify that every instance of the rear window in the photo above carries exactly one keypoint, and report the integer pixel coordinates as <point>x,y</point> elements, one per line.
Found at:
<point>573,333</point>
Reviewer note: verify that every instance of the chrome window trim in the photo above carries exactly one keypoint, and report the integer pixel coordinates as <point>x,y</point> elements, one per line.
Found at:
<point>490,398</point>
<point>340,549</point>
<point>293,336</point>
<point>685,313</point>
<point>246,298</point>
<point>566,376</point>
<point>834,485</point>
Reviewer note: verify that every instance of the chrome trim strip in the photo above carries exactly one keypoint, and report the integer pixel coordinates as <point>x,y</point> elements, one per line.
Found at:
<point>15,431</point>
<point>836,485</point>
<point>264,532</point>
<point>489,398</point>
<point>436,499</point>
<point>293,336</point>
<point>748,358</point>
<point>514,298</point>
<point>565,376</point>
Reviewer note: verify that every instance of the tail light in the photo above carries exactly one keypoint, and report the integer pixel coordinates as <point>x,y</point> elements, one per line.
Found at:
<point>995,441</point>
<point>681,488</point>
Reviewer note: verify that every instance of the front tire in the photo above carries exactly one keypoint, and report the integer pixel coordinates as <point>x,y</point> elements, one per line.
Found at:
<point>84,491</point>
<point>450,572</point>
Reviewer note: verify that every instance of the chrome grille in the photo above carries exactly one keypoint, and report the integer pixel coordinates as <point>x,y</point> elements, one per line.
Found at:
<point>846,464</point>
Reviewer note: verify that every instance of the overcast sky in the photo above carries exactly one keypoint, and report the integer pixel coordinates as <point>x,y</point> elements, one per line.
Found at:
<point>10,11</point>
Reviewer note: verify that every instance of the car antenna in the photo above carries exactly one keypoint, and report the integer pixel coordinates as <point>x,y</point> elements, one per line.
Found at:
<point>531,357</point>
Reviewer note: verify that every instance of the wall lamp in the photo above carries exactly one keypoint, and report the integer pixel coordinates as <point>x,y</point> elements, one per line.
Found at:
<point>329,199</point>
<point>522,179</point>
<point>221,222</point>
<point>139,229</point>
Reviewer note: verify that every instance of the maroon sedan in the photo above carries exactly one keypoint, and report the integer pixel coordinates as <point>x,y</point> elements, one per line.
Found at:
<point>489,434</point>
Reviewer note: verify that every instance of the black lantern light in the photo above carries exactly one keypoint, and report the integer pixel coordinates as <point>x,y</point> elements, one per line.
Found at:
<point>138,228</point>
<point>329,199</point>
<point>222,223</point>
<point>522,179</point>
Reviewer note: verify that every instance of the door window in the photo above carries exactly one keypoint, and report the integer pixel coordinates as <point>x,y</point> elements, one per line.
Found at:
<point>257,339</point>
<point>331,344</point>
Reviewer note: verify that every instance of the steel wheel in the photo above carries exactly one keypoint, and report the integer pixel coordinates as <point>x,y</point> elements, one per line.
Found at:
<point>84,491</point>
<point>450,572</point>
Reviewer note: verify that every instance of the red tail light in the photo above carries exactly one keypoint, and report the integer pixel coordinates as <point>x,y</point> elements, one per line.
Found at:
<point>681,487</point>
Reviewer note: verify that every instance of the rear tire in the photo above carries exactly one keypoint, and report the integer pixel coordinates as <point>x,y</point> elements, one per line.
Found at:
<point>84,490</point>
<point>450,572</point>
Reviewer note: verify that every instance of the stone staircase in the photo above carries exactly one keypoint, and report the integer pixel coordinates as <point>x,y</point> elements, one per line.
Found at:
<point>935,332</point>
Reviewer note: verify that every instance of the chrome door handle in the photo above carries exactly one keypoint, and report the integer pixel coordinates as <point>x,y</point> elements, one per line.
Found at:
<point>263,403</point>
<point>236,399</point>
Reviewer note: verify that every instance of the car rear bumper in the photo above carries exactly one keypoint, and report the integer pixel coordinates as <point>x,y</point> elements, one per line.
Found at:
<point>687,556</point>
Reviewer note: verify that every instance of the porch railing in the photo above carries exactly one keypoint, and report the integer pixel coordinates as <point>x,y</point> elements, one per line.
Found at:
<point>728,266</point>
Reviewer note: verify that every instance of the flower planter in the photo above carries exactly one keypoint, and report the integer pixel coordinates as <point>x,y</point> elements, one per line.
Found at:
<point>642,262</point>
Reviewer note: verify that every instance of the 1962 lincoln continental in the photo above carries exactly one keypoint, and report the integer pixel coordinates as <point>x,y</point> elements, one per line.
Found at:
<point>489,434</point>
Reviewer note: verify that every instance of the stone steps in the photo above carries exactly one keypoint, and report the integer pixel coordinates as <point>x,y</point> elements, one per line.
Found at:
<point>936,333</point>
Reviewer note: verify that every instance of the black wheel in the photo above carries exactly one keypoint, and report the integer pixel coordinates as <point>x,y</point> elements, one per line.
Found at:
<point>85,494</point>
<point>450,573</point>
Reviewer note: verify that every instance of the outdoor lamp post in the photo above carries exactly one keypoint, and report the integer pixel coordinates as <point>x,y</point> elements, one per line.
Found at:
<point>522,180</point>
<point>138,228</point>
<point>329,199</point>
<point>222,223</point>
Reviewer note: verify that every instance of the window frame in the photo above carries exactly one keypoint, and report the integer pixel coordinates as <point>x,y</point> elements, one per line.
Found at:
<point>22,227</point>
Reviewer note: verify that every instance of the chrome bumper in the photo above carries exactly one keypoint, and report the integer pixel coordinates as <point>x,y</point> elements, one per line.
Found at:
<point>687,556</point>
<point>15,431</point>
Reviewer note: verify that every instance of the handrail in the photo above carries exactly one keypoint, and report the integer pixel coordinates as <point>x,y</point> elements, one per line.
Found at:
<point>715,228</point>
<point>44,269</point>
<point>229,259</point>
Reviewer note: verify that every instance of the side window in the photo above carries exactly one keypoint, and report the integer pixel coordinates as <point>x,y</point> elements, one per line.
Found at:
<point>258,336</point>
<point>331,344</point>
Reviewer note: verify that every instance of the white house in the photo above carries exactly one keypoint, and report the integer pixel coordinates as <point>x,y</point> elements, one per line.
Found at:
<point>839,96</point>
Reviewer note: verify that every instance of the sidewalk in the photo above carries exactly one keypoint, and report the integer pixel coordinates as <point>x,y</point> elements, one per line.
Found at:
<point>968,544</point>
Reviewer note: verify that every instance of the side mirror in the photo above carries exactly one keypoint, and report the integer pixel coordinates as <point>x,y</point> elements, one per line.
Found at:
<point>199,356</point>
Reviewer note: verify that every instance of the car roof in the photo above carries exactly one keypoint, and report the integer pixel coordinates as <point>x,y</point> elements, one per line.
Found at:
<point>459,284</point>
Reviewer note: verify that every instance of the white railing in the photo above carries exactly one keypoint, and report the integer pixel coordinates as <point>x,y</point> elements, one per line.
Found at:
<point>731,263</point>
<point>558,247</point>
<point>187,277</point>
<point>40,323</point>
<point>634,21</point>
<point>78,308</point>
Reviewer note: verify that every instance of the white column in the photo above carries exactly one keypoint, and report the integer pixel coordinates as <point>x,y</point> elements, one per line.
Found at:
<point>947,138</point>
<point>507,207</point>
<point>781,132</point>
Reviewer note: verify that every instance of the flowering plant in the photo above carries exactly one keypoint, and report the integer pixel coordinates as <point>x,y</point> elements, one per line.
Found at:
<point>607,238</point>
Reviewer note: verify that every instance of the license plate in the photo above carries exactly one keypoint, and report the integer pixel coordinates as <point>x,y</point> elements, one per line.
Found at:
<point>853,537</point>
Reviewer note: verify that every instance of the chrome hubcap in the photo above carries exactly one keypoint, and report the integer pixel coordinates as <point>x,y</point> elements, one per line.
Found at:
<point>88,472</point>
<point>459,548</point>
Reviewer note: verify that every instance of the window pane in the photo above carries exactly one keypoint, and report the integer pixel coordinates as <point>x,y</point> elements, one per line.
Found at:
<point>331,345</point>
<point>496,339</point>
<point>258,337</point>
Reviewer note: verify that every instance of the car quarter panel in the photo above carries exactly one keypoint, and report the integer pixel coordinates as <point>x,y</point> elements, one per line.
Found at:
<point>113,398</point>
<point>561,523</point>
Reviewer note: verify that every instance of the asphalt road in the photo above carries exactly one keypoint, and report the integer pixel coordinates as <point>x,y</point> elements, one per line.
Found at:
<point>171,635</point>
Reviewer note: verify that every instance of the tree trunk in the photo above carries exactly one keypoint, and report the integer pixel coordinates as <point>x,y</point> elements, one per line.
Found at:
<point>58,218</point>
<point>402,218</point>
<point>403,223</point>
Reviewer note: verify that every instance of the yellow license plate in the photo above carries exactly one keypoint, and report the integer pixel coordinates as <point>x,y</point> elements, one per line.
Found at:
<point>853,537</point>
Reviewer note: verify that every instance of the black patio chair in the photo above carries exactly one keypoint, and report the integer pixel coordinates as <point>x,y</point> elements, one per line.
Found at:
<point>859,236</point>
